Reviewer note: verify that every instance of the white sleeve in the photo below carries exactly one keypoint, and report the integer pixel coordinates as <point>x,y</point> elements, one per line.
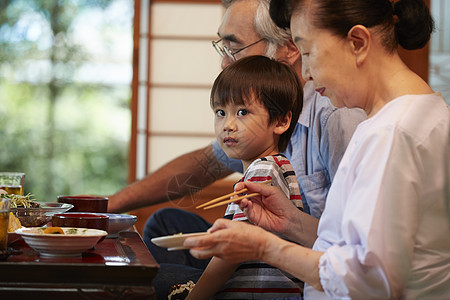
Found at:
<point>380,218</point>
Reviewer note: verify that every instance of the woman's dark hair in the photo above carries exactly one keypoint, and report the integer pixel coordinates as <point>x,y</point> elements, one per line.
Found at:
<point>407,23</point>
<point>272,83</point>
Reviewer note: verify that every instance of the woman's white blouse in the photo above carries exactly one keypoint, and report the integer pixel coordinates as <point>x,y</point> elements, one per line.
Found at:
<point>386,225</point>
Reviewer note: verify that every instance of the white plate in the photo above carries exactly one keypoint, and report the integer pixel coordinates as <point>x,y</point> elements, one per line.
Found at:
<point>73,242</point>
<point>174,242</point>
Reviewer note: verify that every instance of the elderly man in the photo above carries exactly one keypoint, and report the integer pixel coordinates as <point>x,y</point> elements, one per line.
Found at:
<point>315,149</point>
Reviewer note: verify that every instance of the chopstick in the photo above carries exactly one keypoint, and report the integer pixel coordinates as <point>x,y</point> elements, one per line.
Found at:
<point>227,196</point>
<point>231,200</point>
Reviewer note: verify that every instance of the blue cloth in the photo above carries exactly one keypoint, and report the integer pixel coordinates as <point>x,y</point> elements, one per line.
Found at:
<point>175,267</point>
<point>170,221</point>
<point>171,274</point>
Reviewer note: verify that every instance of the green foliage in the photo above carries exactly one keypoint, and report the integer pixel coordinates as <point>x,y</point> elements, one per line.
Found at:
<point>68,136</point>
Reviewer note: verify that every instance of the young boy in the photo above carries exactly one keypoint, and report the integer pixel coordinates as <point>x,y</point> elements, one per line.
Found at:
<point>257,102</point>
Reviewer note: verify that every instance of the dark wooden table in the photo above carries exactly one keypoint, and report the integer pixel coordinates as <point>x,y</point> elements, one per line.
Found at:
<point>118,268</point>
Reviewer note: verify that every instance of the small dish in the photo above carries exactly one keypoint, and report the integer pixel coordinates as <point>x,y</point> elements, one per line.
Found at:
<point>73,242</point>
<point>81,220</point>
<point>82,203</point>
<point>38,216</point>
<point>175,242</point>
<point>120,222</point>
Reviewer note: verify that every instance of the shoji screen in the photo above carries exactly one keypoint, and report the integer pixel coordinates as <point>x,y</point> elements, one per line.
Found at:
<point>176,68</point>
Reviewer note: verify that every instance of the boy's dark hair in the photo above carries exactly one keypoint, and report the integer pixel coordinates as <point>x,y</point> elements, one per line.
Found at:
<point>272,83</point>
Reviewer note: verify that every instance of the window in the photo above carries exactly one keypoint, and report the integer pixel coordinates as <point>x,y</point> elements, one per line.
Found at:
<point>177,66</point>
<point>65,74</point>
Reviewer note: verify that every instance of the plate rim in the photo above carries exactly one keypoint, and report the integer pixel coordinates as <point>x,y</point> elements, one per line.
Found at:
<point>43,205</point>
<point>122,216</point>
<point>159,241</point>
<point>20,232</point>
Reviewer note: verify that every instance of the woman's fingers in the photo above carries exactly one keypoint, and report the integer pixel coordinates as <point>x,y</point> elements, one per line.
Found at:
<point>208,240</point>
<point>220,224</point>
<point>212,244</point>
<point>230,240</point>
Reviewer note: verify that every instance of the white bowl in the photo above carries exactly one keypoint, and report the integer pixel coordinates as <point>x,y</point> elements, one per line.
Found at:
<point>73,242</point>
<point>120,222</point>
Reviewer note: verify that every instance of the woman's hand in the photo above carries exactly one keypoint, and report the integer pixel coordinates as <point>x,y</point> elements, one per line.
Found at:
<point>236,242</point>
<point>272,210</point>
<point>230,240</point>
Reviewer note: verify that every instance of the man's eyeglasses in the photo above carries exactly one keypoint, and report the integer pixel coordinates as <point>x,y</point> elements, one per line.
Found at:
<point>224,50</point>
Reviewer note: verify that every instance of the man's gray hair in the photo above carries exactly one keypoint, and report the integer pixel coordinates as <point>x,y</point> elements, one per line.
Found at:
<point>265,27</point>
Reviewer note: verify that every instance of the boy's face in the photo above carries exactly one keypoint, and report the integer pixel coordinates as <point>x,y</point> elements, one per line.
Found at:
<point>244,132</point>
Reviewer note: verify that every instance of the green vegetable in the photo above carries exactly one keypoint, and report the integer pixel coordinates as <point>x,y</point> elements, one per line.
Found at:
<point>21,201</point>
<point>72,231</point>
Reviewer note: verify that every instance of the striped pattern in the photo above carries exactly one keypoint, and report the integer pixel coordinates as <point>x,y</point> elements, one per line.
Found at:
<point>255,279</point>
<point>277,168</point>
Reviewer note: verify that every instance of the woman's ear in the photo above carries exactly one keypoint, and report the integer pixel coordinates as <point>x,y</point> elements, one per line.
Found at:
<point>282,124</point>
<point>359,38</point>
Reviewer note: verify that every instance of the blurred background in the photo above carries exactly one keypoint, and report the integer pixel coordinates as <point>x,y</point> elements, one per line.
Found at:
<point>97,93</point>
<point>65,76</point>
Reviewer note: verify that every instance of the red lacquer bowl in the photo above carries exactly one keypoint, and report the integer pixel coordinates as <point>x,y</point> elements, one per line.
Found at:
<point>81,220</point>
<point>86,203</point>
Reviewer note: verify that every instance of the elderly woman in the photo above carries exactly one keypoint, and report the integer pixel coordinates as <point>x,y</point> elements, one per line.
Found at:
<point>385,231</point>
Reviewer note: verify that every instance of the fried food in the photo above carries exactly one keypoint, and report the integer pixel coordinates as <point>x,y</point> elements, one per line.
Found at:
<point>53,230</point>
<point>14,223</point>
